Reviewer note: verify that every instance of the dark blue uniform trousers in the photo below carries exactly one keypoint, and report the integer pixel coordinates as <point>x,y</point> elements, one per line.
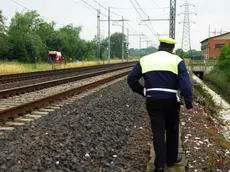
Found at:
<point>164,116</point>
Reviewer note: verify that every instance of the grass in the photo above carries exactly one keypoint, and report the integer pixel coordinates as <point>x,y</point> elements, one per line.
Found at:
<point>212,110</point>
<point>212,162</point>
<point>219,139</point>
<point>219,82</point>
<point>204,98</point>
<point>190,62</point>
<point>187,61</point>
<point>16,67</point>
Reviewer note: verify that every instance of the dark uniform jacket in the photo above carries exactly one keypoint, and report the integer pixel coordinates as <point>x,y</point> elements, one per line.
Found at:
<point>164,74</point>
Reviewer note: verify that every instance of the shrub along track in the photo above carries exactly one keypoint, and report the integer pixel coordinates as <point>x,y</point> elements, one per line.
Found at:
<point>16,105</point>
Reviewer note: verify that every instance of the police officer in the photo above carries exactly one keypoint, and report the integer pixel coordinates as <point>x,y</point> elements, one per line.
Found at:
<point>164,74</point>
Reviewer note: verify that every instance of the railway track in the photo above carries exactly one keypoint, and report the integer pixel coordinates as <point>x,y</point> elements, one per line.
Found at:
<point>18,101</point>
<point>23,89</point>
<point>57,73</point>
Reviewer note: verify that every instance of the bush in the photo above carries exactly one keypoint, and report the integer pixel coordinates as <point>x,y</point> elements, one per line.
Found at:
<point>219,78</point>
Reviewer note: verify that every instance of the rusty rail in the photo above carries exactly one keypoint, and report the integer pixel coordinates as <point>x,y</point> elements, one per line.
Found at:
<point>15,91</point>
<point>39,74</point>
<point>28,107</point>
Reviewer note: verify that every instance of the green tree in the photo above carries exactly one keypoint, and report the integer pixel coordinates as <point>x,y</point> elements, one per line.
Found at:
<point>25,44</point>
<point>141,52</point>
<point>74,45</point>
<point>4,44</point>
<point>91,50</point>
<point>29,38</point>
<point>57,42</point>
<point>68,41</point>
<point>2,22</point>
<point>187,54</point>
<point>116,45</point>
<point>223,61</point>
<point>180,53</point>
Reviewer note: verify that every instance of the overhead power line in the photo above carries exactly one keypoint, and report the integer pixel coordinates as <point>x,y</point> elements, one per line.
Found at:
<point>100,5</point>
<point>87,4</point>
<point>90,7</point>
<point>16,2</point>
<point>156,4</point>
<point>159,6</point>
<point>106,8</point>
<point>135,8</point>
<point>147,16</point>
<point>153,28</point>
<point>19,4</point>
<point>117,8</point>
<point>131,27</point>
<point>142,18</point>
<point>141,9</point>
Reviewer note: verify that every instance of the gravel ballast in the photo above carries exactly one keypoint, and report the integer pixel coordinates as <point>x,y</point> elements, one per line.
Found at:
<point>105,131</point>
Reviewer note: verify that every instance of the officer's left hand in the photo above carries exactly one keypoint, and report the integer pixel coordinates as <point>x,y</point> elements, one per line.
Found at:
<point>189,110</point>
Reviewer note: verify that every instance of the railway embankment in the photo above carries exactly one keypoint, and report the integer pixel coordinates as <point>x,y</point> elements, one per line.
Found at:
<point>205,131</point>
<point>108,130</point>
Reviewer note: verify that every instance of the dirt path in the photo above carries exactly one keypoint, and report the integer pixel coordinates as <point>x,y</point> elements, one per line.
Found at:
<point>206,149</point>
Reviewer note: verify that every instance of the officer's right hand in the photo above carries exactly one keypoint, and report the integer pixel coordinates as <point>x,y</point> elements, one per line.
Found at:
<point>189,110</point>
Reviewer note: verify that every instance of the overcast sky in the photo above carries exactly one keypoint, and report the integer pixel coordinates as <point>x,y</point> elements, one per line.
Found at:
<point>209,12</point>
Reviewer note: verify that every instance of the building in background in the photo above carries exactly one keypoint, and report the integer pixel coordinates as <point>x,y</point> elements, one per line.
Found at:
<point>211,47</point>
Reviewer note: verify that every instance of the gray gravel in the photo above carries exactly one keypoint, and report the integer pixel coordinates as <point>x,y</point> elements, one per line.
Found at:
<point>105,131</point>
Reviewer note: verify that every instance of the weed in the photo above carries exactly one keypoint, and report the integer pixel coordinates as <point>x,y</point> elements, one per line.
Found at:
<point>204,98</point>
<point>212,162</point>
<point>219,138</point>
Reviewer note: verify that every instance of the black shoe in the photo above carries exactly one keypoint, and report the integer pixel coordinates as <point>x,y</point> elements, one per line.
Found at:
<point>159,170</point>
<point>170,164</point>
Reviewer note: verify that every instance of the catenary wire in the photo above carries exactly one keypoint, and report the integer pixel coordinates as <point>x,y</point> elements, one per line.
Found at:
<point>91,7</point>
<point>141,17</point>
<point>16,2</point>
<point>141,9</point>
<point>106,8</point>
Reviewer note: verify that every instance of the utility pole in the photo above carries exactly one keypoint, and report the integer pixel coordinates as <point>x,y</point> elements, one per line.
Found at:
<point>172,21</point>
<point>155,20</point>
<point>215,32</point>
<point>98,36</point>
<point>109,48</point>
<point>209,31</point>
<point>123,39</point>
<point>122,20</point>
<point>127,45</point>
<point>147,43</point>
<point>140,41</point>
<point>140,37</point>
<point>186,37</point>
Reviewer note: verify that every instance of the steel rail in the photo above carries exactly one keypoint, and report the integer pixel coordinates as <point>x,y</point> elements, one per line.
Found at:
<point>28,88</point>
<point>19,110</point>
<point>39,74</point>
